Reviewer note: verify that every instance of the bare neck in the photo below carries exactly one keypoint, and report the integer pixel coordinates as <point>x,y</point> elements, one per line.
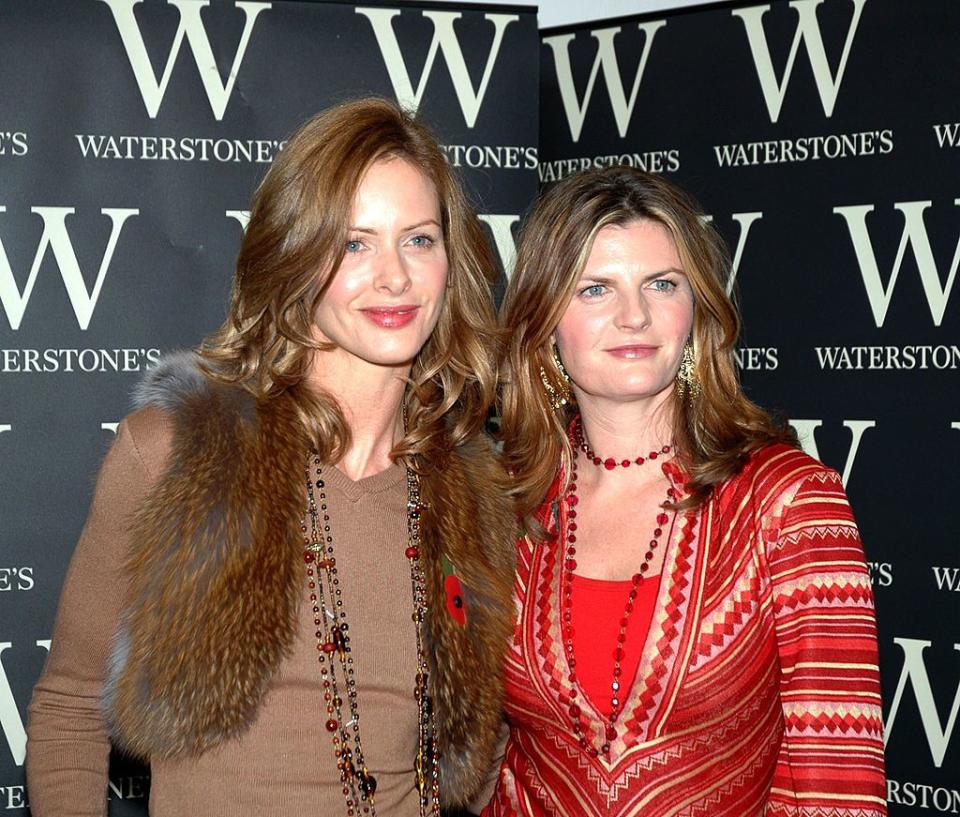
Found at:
<point>370,398</point>
<point>627,429</point>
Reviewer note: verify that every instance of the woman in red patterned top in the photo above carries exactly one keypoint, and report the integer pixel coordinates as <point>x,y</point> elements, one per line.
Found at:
<point>695,631</point>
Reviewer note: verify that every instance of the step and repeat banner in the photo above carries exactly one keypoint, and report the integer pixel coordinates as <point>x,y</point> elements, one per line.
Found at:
<point>823,139</point>
<point>132,135</point>
<point>822,136</point>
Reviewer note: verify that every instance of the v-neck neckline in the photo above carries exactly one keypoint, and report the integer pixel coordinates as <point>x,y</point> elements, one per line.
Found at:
<point>354,489</point>
<point>643,703</point>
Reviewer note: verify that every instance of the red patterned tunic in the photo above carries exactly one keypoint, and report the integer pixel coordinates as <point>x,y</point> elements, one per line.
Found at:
<point>757,692</point>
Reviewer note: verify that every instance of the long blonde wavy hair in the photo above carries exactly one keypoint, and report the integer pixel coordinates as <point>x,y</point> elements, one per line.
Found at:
<point>292,248</point>
<point>715,431</point>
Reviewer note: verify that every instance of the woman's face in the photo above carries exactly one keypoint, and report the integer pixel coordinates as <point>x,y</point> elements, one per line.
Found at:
<point>384,301</point>
<point>622,336</point>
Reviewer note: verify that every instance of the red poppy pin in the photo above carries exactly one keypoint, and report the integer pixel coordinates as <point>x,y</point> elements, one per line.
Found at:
<point>456,603</point>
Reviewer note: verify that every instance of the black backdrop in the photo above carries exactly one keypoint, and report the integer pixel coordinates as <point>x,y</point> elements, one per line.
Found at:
<point>823,138</point>
<point>125,170</point>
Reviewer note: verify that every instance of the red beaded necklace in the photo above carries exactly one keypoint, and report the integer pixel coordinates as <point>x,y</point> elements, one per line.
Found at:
<point>566,602</point>
<point>579,440</point>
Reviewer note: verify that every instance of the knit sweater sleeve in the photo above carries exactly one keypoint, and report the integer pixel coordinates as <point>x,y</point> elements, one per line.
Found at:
<point>68,747</point>
<point>831,760</point>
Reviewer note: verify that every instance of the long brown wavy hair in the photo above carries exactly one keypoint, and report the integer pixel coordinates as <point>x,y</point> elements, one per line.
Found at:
<point>714,432</point>
<point>292,248</point>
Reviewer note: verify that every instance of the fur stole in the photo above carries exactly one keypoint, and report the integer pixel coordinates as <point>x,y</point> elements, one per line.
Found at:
<point>216,581</point>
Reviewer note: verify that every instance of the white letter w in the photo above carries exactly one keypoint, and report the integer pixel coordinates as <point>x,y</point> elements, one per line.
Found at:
<point>809,31</point>
<point>191,27</point>
<point>445,40</point>
<point>607,58</point>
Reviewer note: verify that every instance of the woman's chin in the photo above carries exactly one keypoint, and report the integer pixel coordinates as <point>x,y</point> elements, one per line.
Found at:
<point>630,392</point>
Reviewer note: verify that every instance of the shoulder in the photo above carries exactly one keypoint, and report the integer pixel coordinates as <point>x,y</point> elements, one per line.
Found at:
<point>177,400</point>
<point>131,466</point>
<point>781,467</point>
<point>181,382</point>
<point>148,432</point>
<point>176,380</point>
<point>774,475</point>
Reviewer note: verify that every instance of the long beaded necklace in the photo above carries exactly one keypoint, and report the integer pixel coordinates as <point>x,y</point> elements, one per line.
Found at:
<point>566,600</point>
<point>336,662</point>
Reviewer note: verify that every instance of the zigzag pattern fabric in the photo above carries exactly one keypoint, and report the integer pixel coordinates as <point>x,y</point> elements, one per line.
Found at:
<point>757,692</point>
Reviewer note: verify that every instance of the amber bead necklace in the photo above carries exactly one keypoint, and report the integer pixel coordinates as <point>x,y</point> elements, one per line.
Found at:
<point>336,662</point>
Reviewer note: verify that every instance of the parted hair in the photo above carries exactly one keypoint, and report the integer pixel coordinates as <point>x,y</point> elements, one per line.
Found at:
<point>293,247</point>
<point>714,432</point>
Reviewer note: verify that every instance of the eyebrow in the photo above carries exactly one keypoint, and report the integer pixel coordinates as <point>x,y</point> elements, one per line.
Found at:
<point>371,231</point>
<point>600,279</point>
<point>597,279</point>
<point>667,271</point>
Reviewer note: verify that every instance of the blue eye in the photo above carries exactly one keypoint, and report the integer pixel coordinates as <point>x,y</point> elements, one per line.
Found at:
<point>593,291</point>
<point>663,285</point>
<point>421,241</point>
<point>353,246</point>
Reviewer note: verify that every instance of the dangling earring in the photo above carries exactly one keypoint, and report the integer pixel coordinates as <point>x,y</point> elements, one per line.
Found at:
<point>687,380</point>
<point>557,396</point>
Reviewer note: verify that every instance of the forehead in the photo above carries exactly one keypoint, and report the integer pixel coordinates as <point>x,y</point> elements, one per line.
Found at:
<point>640,245</point>
<point>396,178</point>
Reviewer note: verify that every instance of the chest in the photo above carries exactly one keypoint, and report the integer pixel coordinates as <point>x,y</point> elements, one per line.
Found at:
<point>709,661</point>
<point>616,531</point>
<point>367,598</point>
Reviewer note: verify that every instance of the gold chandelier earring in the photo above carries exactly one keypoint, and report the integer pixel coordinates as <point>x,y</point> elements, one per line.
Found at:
<point>688,383</point>
<point>557,395</point>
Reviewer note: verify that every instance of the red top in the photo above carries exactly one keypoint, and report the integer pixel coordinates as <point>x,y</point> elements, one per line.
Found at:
<point>597,610</point>
<point>757,693</point>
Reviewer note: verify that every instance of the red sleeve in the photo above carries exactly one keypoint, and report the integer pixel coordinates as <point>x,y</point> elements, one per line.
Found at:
<point>831,760</point>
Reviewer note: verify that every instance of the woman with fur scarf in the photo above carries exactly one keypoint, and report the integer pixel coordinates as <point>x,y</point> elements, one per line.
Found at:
<point>293,592</point>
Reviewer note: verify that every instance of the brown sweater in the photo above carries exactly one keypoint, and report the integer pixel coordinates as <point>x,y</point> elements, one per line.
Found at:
<point>284,765</point>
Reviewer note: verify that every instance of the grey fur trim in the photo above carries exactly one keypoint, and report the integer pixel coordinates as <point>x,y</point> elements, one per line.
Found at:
<point>175,379</point>
<point>116,662</point>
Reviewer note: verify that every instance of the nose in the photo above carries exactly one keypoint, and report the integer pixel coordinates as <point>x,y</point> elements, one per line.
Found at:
<point>391,275</point>
<point>633,313</point>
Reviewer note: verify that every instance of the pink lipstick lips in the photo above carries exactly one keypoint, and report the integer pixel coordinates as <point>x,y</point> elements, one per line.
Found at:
<point>633,351</point>
<point>391,317</point>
